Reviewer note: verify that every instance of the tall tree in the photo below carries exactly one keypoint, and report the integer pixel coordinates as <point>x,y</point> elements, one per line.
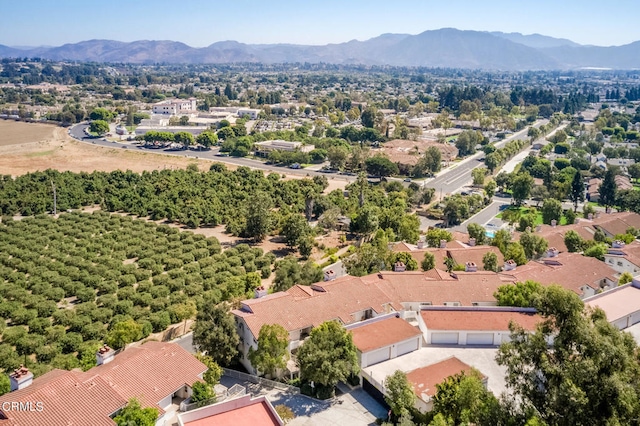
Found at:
<point>477,232</point>
<point>573,381</point>
<point>215,332</point>
<point>534,245</point>
<point>328,356</point>
<point>429,261</point>
<point>521,185</point>
<point>519,294</point>
<point>399,395</point>
<point>608,189</point>
<point>123,333</point>
<point>272,353</point>
<point>576,193</point>
<point>380,166</point>
<point>259,218</point>
<point>490,262</point>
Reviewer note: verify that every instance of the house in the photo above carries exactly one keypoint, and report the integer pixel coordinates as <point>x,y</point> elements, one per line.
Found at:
<point>353,299</point>
<point>175,107</point>
<point>474,326</point>
<point>154,373</point>
<point>593,189</point>
<point>425,380</point>
<point>251,112</point>
<point>459,252</point>
<point>243,411</point>
<point>383,338</point>
<point>616,223</point>
<point>624,257</point>
<point>264,148</point>
<point>583,275</point>
<point>621,305</point>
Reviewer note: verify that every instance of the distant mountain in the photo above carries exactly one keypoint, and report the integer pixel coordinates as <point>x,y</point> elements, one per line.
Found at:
<point>447,48</point>
<point>537,41</point>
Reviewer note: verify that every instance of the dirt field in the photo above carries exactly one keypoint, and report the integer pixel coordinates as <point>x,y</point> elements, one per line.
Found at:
<point>29,147</point>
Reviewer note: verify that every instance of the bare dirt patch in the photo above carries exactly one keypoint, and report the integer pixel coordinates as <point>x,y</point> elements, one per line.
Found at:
<point>16,133</point>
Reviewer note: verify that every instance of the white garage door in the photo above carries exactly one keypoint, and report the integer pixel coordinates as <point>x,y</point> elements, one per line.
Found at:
<point>479,338</point>
<point>635,318</point>
<point>406,347</point>
<point>506,337</point>
<point>378,356</point>
<point>444,338</point>
<point>621,323</point>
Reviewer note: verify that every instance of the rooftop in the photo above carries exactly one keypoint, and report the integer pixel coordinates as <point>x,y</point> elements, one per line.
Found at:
<point>493,319</point>
<point>425,379</point>
<point>242,411</point>
<point>617,303</point>
<point>379,334</point>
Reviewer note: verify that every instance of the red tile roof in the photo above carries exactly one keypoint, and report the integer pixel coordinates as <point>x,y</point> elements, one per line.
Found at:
<point>425,379</point>
<point>569,270</point>
<point>383,333</point>
<point>489,319</point>
<point>250,415</point>
<point>149,372</point>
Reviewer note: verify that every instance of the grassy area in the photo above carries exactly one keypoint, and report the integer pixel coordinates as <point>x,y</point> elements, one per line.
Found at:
<point>131,128</point>
<point>521,211</point>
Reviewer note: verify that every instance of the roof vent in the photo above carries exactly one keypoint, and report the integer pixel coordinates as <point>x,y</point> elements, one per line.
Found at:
<point>552,252</point>
<point>399,267</point>
<point>260,292</point>
<point>329,275</point>
<point>472,242</point>
<point>470,267</point>
<point>509,265</point>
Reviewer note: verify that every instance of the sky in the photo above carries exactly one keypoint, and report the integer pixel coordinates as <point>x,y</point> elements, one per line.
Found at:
<point>200,23</point>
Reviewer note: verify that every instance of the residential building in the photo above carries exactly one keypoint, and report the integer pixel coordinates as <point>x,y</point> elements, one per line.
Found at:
<point>624,257</point>
<point>264,148</point>
<point>175,107</point>
<point>251,112</point>
<point>243,411</point>
<point>425,380</point>
<point>621,305</point>
<point>158,374</point>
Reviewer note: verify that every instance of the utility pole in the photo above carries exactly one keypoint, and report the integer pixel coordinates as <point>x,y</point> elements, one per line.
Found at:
<point>55,199</point>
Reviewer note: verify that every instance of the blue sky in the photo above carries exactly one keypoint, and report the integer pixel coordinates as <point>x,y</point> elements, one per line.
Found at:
<point>199,23</point>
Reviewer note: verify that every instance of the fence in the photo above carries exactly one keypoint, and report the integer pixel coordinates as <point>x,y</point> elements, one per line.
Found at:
<point>261,381</point>
<point>233,392</point>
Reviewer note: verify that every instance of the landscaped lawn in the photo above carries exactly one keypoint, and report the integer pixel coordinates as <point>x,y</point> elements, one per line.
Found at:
<point>519,211</point>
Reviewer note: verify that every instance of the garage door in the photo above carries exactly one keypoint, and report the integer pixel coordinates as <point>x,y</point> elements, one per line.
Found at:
<point>377,356</point>
<point>406,347</point>
<point>506,337</point>
<point>621,323</point>
<point>479,338</point>
<point>444,338</point>
<point>635,318</point>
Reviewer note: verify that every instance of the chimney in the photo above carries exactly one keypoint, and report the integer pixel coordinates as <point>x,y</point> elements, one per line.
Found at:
<point>554,223</point>
<point>597,215</point>
<point>443,243</point>
<point>399,267</point>
<point>421,243</point>
<point>105,355</point>
<point>509,265</point>
<point>329,275</point>
<point>472,242</point>
<point>552,252</point>
<point>20,378</point>
<point>590,216</point>
<point>260,292</point>
<point>538,228</point>
<point>470,267</point>
<point>617,244</point>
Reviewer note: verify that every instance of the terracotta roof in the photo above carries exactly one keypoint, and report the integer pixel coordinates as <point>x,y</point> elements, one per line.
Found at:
<point>492,319</point>
<point>461,253</point>
<point>631,252</point>
<point>570,270</point>
<point>617,223</point>
<point>149,372</point>
<point>617,303</point>
<point>474,254</point>
<point>383,333</point>
<point>425,379</point>
<point>258,414</point>
<point>382,292</point>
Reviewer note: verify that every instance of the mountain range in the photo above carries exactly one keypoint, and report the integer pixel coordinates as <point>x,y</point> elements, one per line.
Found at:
<point>447,48</point>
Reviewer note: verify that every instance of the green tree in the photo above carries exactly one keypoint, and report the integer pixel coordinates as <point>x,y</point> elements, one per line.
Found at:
<point>202,392</point>
<point>272,353</point>
<point>576,193</point>
<point>337,156</point>
<point>102,114</point>
<point>295,228</point>
<point>399,395</point>
<point>429,261</point>
<point>490,188</point>
<point>367,259</point>
<point>534,245</point>
<point>366,221</point>
<point>328,356</point>
<point>410,263</point>
<point>214,371</point>
<point>215,332</point>
<point>608,189</point>
<point>435,235</point>
<point>477,232</point>
<point>207,139</point>
<point>259,217</point>
<point>490,262</point>
<point>521,185</point>
<point>99,127</point>
<point>429,163</point>
<point>380,166</point>
<point>133,414</point>
<point>185,139</point>
<point>368,117</point>
<point>515,252</point>
<point>573,381</point>
<point>467,142</point>
<point>625,278</point>
<point>184,311</point>
<point>123,333</point>
<point>634,171</point>
<point>597,250</point>
<point>501,239</point>
<point>519,294</point>
<point>551,210</point>
<point>5,384</point>
<point>573,241</point>
<point>478,175</point>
